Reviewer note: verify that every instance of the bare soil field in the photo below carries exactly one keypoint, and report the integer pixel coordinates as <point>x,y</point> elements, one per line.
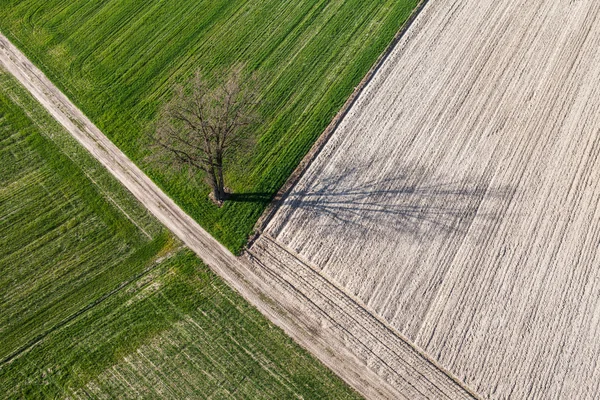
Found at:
<point>459,198</point>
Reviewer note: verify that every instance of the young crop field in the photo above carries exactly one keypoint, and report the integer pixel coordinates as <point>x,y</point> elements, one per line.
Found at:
<point>118,60</point>
<point>97,300</point>
<point>178,332</point>
<point>64,242</point>
<point>459,199</point>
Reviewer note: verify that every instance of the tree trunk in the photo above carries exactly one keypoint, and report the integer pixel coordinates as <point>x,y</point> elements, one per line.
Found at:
<point>214,185</point>
<point>220,178</point>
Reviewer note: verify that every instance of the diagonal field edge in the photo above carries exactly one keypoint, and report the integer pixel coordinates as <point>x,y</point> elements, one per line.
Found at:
<point>272,297</point>
<point>316,148</point>
<point>41,336</point>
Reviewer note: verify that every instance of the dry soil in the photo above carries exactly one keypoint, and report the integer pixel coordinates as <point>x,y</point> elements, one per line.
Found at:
<point>459,197</point>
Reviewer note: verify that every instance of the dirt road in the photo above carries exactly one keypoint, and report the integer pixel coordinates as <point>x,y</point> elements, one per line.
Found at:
<point>326,326</point>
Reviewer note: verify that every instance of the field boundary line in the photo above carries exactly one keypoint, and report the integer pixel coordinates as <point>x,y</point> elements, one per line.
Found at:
<point>100,189</point>
<point>322,140</point>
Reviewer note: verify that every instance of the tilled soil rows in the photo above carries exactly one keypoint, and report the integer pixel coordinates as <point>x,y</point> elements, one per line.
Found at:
<point>459,198</point>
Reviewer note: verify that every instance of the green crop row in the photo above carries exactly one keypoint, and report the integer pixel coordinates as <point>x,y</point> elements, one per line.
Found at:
<point>62,244</point>
<point>179,332</point>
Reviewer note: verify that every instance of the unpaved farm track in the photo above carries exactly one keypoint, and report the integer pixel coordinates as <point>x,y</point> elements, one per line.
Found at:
<point>386,367</point>
<point>460,196</point>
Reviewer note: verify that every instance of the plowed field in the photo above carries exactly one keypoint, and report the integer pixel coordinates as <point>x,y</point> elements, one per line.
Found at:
<point>459,198</point>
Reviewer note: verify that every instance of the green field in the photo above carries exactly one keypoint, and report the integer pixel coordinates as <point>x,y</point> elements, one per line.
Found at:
<point>177,333</point>
<point>97,299</point>
<point>118,60</point>
<point>63,242</point>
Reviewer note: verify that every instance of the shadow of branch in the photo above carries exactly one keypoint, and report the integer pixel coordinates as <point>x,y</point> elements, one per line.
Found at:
<point>406,201</point>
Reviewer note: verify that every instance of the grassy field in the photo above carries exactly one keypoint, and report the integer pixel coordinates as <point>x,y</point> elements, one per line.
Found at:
<point>64,242</point>
<point>97,299</point>
<point>118,60</point>
<point>179,332</point>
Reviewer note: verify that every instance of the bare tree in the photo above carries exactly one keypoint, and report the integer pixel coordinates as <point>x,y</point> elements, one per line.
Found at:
<point>200,127</point>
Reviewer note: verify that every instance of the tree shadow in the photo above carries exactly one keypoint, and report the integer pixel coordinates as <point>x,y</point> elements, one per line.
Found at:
<point>406,201</point>
<point>262,198</point>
